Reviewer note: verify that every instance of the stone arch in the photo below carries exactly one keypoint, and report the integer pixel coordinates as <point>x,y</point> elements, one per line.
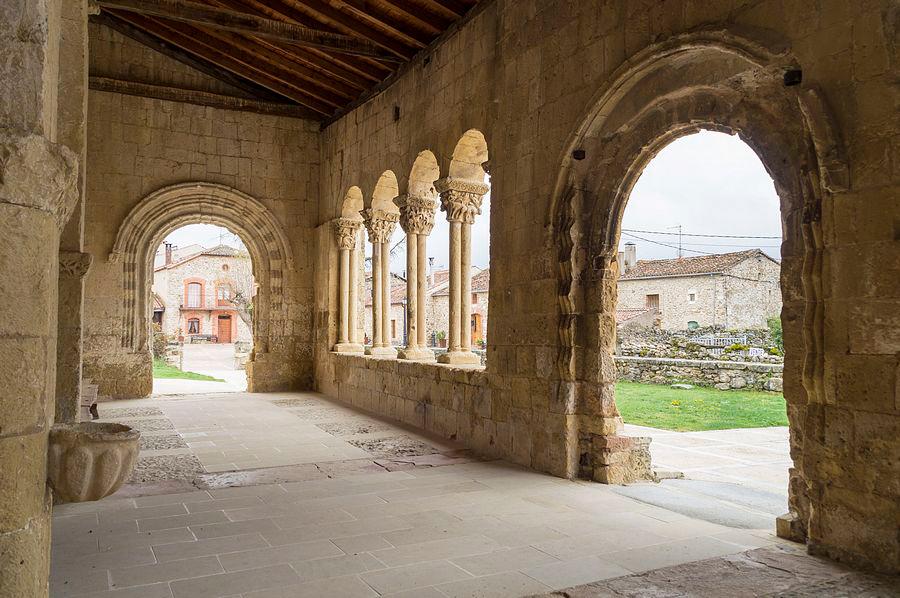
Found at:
<point>470,157</point>
<point>425,171</point>
<point>353,204</point>
<point>707,80</point>
<point>386,189</point>
<point>175,206</point>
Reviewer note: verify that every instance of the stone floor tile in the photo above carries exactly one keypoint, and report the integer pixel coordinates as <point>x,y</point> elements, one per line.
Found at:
<point>500,585</point>
<point>608,541</point>
<point>291,553</point>
<point>575,572</point>
<point>332,531</point>
<point>237,502</point>
<point>232,528</point>
<point>414,576</point>
<point>135,539</point>
<point>499,561</point>
<point>337,587</point>
<point>670,553</point>
<point>429,592</point>
<point>167,499</point>
<point>157,523</point>
<point>524,536</point>
<point>72,581</point>
<point>186,550</point>
<point>337,566</point>
<point>156,590</point>
<point>447,548</point>
<point>358,544</point>
<point>230,584</point>
<point>164,572</point>
<point>122,515</point>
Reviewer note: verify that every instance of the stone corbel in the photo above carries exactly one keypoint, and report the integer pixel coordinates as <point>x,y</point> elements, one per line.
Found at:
<point>74,264</point>
<point>460,198</point>
<point>416,213</point>
<point>379,224</point>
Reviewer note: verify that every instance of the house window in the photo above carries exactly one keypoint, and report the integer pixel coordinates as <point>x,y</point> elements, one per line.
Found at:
<point>692,296</point>
<point>194,294</point>
<point>223,294</point>
<point>393,328</point>
<point>692,325</point>
<point>653,302</point>
<point>193,326</point>
<point>474,297</point>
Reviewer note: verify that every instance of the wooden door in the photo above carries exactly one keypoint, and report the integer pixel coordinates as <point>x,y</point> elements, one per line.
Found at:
<point>653,303</point>
<point>224,329</point>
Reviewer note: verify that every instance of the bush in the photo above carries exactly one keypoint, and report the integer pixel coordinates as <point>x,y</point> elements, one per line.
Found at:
<point>776,332</point>
<point>160,340</point>
<point>736,347</point>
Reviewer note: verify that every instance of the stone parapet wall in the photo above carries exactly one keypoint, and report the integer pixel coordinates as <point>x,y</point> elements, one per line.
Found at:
<point>724,375</point>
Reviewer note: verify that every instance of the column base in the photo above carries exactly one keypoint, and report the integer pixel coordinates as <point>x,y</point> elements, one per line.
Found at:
<point>459,358</point>
<point>348,348</point>
<point>416,354</point>
<point>381,351</point>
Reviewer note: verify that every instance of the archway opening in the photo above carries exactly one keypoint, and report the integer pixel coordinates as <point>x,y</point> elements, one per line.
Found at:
<point>203,292</point>
<point>699,349</point>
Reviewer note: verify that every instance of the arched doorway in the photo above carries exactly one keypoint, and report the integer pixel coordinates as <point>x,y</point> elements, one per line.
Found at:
<point>707,80</point>
<point>170,208</point>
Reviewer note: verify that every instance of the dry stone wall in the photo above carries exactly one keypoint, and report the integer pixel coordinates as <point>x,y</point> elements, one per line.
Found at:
<point>723,375</point>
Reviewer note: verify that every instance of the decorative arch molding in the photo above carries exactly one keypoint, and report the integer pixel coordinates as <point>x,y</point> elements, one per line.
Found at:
<point>717,80</point>
<point>174,206</point>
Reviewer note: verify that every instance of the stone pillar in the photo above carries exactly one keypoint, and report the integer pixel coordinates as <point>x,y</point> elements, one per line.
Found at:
<point>461,200</point>
<point>73,265</point>
<point>355,337</point>
<point>417,220</point>
<point>380,225</point>
<point>346,230</point>
<point>38,191</point>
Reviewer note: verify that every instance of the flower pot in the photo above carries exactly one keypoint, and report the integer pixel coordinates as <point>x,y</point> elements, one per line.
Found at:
<point>89,461</point>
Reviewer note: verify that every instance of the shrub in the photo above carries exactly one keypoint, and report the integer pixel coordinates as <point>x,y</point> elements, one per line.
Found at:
<point>776,332</point>
<point>160,340</point>
<point>736,347</point>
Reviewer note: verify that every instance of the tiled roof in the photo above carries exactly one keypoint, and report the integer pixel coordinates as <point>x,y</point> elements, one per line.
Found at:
<point>684,266</point>
<point>481,281</point>
<point>217,251</point>
<point>222,251</point>
<point>625,314</point>
<point>398,289</point>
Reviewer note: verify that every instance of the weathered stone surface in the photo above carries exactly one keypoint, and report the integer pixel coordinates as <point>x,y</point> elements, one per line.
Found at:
<point>89,461</point>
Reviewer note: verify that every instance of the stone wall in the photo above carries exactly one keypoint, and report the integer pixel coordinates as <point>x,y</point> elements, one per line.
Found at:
<point>723,375</point>
<point>542,80</point>
<point>140,145</point>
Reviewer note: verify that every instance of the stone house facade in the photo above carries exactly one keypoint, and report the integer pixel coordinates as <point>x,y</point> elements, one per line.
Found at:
<point>738,290</point>
<point>194,296</point>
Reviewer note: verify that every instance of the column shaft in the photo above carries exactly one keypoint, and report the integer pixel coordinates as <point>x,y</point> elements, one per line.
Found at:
<point>377,339</point>
<point>353,296</point>
<point>465,315</point>
<point>455,271</point>
<point>386,293</point>
<point>344,335</point>
<point>422,279</point>
<point>412,291</point>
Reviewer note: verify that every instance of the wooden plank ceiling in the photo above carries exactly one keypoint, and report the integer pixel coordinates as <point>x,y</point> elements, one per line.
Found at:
<point>317,58</point>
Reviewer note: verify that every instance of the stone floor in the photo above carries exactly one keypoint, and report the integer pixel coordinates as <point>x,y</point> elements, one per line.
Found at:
<point>288,495</point>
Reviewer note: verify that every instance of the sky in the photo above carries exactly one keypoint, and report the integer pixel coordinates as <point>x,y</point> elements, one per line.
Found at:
<point>708,183</point>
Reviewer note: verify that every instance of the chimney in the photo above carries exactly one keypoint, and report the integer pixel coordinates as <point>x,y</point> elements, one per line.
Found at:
<point>630,256</point>
<point>620,260</point>
<point>168,253</point>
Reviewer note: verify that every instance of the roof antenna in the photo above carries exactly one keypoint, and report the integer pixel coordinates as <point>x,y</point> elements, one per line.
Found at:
<point>680,253</point>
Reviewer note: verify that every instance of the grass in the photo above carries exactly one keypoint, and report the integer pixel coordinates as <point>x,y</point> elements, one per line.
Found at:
<point>163,370</point>
<point>698,409</point>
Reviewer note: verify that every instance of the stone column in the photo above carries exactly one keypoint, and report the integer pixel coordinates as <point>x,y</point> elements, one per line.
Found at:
<point>354,291</point>
<point>38,192</point>
<point>346,231</point>
<point>417,220</point>
<point>461,200</point>
<point>73,265</point>
<point>380,225</point>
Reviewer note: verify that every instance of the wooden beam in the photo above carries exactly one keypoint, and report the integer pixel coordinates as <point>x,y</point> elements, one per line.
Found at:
<point>432,22</point>
<point>228,58</point>
<point>454,7</point>
<point>397,27</point>
<point>194,13</point>
<point>175,53</point>
<point>201,98</point>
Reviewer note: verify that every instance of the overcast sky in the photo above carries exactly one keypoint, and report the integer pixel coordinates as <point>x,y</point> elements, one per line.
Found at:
<point>709,183</point>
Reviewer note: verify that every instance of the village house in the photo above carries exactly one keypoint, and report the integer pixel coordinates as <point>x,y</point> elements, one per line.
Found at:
<point>204,295</point>
<point>738,290</point>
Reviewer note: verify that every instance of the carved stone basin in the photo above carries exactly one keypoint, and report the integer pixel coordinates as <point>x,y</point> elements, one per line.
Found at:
<point>88,461</point>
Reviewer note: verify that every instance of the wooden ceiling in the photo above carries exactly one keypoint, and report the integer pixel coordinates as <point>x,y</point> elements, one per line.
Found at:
<point>317,58</point>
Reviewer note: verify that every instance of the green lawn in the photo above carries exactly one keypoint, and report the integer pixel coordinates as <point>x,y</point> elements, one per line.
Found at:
<point>163,370</point>
<point>700,408</point>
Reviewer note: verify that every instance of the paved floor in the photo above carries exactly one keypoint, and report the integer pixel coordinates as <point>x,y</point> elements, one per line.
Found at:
<point>216,360</point>
<point>296,495</point>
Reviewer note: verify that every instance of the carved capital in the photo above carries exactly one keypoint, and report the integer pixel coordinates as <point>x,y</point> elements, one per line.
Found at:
<point>74,264</point>
<point>461,199</point>
<point>379,224</point>
<point>416,213</point>
<point>345,229</point>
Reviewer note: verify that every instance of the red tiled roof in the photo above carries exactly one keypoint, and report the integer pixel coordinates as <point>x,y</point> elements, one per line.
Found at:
<point>684,266</point>
<point>398,289</point>
<point>625,314</point>
<point>481,281</point>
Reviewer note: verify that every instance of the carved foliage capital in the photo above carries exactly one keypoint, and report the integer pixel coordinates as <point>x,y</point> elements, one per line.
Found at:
<point>461,199</point>
<point>416,213</point>
<point>379,224</point>
<point>74,264</point>
<point>345,229</point>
